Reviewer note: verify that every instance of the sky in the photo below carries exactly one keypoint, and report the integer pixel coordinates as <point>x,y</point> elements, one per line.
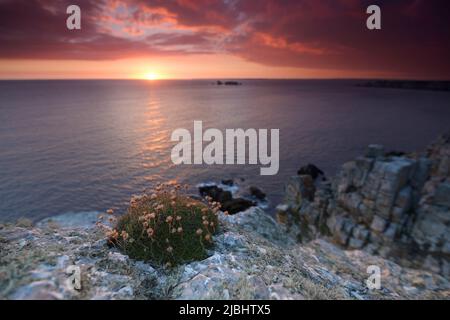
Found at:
<point>190,39</point>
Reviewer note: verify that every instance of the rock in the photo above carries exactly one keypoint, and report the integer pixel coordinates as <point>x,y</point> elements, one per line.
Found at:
<point>71,220</point>
<point>230,204</point>
<point>257,193</point>
<point>356,243</point>
<point>395,154</point>
<point>299,188</point>
<point>422,173</point>
<point>375,151</point>
<point>378,224</point>
<point>234,206</point>
<point>216,193</point>
<point>259,222</point>
<point>401,200</point>
<point>404,199</point>
<point>361,232</point>
<point>24,223</point>
<point>252,259</point>
<point>282,213</point>
<point>391,231</point>
<point>232,83</point>
<point>228,83</point>
<point>228,182</point>
<point>442,195</point>
<point>310,170</point>
<point>38,290</point>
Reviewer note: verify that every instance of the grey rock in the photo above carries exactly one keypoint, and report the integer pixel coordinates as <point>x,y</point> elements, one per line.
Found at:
<point>298,189</point>
<point>404,199</point>
<point>375,151</point>
<point>378,224</point>
<point>442,195</point>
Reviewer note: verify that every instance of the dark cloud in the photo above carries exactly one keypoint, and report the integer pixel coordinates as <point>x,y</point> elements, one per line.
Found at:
<point>324,34</point>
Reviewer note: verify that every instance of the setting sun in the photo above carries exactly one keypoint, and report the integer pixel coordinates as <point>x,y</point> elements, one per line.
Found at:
<point>151,76</point>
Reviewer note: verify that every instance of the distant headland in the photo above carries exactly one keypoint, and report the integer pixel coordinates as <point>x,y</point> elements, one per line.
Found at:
<point>408,84</point>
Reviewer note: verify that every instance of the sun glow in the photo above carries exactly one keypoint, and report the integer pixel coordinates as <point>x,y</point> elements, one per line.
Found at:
<point>151,76</point>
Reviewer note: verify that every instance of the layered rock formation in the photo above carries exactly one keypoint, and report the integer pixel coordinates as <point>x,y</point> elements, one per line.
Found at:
<point>391,204</point>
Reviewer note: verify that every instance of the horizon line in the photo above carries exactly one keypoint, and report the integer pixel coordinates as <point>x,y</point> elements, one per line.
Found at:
<point>219,79</point>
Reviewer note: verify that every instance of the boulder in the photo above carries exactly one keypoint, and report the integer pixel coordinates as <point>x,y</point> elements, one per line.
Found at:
<point>257,193</point>
<point>216,193</point>
<point>234,206</point>
<point>230,204</point>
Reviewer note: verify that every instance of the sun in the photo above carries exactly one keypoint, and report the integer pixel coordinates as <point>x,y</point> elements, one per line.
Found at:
<point>151,76</point>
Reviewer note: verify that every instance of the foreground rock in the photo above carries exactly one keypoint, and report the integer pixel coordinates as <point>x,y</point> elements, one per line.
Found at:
<point>391,205</point>
<point>253,259</point>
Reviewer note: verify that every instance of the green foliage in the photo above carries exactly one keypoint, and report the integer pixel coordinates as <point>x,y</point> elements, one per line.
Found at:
<point>166,227</point>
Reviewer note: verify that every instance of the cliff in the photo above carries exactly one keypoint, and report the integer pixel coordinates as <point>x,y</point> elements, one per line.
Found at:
<point>253,259</point>
<point>389,204</point>
<point>384,210</point>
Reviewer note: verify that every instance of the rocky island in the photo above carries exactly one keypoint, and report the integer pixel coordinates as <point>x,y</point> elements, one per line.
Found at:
<point>390,210</point>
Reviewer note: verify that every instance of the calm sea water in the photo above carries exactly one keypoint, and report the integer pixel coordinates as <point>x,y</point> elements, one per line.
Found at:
<point>74,146</point>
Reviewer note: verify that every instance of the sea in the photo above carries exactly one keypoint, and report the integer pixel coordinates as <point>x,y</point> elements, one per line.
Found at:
<point>74,146</point>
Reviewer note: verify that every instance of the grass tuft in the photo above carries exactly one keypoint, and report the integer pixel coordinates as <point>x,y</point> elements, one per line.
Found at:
<point>166,227</point>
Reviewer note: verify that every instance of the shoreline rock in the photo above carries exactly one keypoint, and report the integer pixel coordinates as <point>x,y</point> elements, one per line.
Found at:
<point>390,205</point>
<point>229,203</point>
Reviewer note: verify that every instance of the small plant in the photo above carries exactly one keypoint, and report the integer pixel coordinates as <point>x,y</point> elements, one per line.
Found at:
<point>166,227</point>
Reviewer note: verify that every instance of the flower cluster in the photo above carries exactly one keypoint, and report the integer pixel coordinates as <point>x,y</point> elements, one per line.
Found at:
<point>166,226</point>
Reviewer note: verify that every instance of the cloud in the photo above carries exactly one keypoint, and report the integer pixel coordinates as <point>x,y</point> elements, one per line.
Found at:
<point>326,34</point>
